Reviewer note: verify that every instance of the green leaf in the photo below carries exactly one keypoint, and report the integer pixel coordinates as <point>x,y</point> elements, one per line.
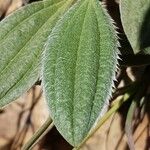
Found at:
<point>22,38</point>
<point>135,16</point>
<point>79,66</point>
<point>129,125</point>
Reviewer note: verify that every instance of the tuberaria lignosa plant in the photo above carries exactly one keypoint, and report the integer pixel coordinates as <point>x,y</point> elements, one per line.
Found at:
<point>72,46</point>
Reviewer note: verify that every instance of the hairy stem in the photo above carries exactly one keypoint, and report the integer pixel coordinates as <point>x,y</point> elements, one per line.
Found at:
<point>47,126</point>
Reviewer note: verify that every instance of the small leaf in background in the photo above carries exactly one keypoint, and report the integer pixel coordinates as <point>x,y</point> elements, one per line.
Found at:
<point>79,66</point>
<point>129,125</point>
<point>22,37</point>
<point>135,16</point>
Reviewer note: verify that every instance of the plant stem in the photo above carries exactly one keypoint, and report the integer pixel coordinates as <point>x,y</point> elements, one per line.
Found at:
<point>47,126</point>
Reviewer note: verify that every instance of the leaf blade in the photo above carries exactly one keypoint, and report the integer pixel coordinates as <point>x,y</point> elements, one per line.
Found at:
<point>72,66</point>
<point>21,46</point>
<point>136,24</point>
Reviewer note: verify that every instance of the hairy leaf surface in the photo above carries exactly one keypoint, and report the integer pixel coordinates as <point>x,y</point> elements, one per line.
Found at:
<point>79,66</point>
<point>135,16</point>
<point>22,37</point>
